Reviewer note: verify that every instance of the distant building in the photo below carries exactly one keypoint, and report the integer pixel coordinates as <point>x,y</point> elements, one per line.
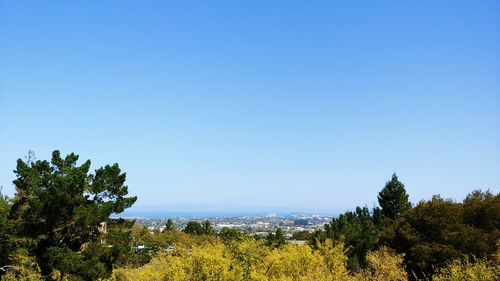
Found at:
<point>271,215</point>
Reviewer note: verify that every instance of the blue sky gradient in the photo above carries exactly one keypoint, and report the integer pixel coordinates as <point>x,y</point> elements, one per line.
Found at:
<point>228,105</point>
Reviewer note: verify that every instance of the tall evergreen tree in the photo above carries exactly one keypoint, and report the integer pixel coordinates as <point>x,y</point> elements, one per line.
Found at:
<point>393,198</point>
<point>169,225</point>
<point>279,237</point>
<point>59,206</point>
<point>207,227</point>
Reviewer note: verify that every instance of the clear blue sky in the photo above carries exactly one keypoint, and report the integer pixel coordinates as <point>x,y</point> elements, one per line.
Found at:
<point>305,105</point>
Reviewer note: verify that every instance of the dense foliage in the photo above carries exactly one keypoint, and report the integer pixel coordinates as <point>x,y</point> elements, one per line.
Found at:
<point>58,209</point>
<point>204,258</point>
<point>5,241</point>
<point>276,239</point>
<point>358,232</point>
<point>58,227</point>
<point>435,232</point>
<point>169,225</point>
<point>249,259</point>
<point>196,228</point>
<point>430,235</point>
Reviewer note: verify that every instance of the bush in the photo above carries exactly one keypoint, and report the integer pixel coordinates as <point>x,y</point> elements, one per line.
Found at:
<point>475,270</point>
<point>383,264</point>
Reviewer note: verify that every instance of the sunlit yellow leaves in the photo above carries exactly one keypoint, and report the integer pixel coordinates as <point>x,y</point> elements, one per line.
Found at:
<point>243,260</point>
<point>249,259</point>
<point>471,271</point>
<point>383,264</point>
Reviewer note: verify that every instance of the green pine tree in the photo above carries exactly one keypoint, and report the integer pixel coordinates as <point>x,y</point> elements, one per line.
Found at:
<point>59,207</point>
<point>207,227</point>
<point>393,198</point>
<point>169,225</point>
<point>279,237</point>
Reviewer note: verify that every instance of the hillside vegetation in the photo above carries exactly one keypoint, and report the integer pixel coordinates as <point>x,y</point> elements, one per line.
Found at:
<point>52,229</point>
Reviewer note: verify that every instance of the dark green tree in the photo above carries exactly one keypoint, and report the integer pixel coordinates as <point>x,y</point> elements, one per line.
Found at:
<point>279,237</point>
<point>276,239</point>
<point>194,228</point>
<point>270,238</point>
<point>482,210</point>
<point>393,198</point>
<point>207,227</point>
<point>435,232</point>
<point>119,234</point>
<point>169,225</point>
<point>60,206</point>
<point>5,239</point>
<point>303,235</point>
<point>230,234</point>
<point>357,231</point>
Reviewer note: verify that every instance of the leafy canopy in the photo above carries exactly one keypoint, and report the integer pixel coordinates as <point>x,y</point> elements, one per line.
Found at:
<point>60,206</point>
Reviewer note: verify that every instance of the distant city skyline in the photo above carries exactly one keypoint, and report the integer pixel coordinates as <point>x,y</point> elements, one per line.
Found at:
<point>236,105</point>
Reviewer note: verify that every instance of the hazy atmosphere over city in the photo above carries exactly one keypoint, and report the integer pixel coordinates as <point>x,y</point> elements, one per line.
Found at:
<point>257,105</point>
<point>223,140</point>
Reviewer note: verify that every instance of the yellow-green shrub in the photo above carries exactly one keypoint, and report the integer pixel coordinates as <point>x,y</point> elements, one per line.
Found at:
<point>383,264</point>
<point>206,262</point>
<point>469,270</point>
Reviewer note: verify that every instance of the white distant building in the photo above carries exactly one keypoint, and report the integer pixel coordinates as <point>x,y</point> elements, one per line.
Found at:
<point>271,215</point>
